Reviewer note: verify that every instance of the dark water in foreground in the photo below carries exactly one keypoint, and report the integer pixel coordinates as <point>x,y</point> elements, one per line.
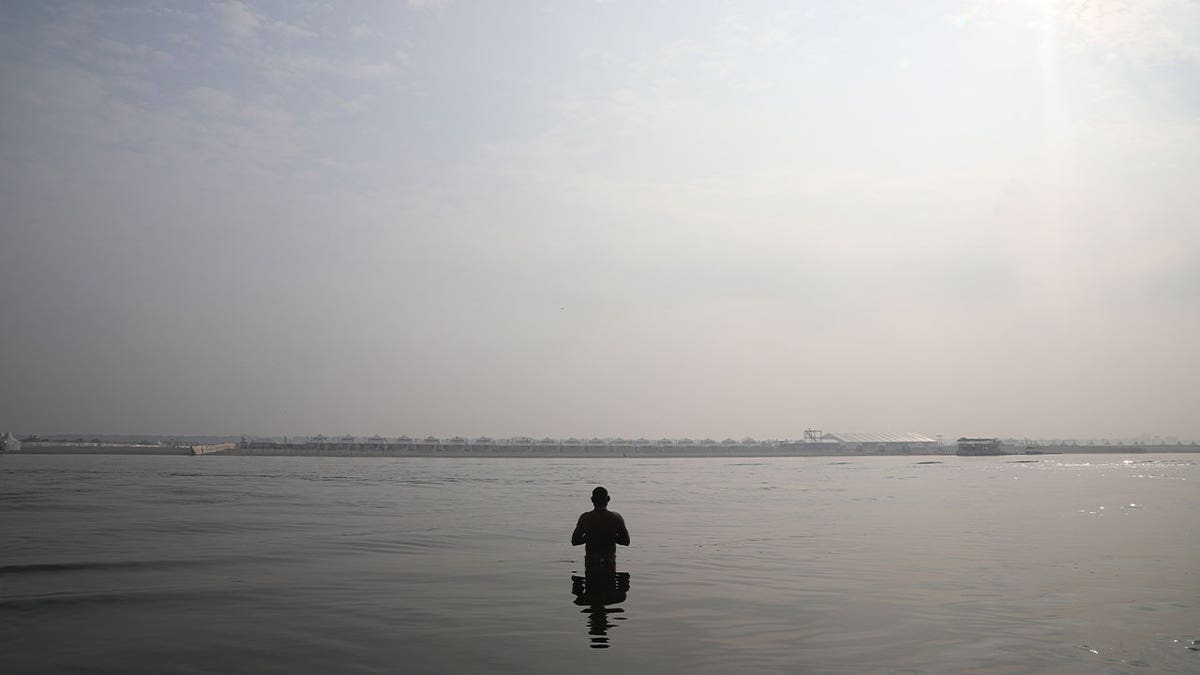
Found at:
<point>1078,564</point>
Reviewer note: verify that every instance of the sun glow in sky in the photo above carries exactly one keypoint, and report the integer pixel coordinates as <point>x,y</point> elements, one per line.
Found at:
<point>600,218</point>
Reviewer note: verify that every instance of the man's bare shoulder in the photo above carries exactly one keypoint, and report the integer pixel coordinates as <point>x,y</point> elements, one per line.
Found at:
<point>600,516</point>
<point>613,517</point>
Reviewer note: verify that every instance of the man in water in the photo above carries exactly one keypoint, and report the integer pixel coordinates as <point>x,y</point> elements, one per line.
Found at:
<point>601,530</point>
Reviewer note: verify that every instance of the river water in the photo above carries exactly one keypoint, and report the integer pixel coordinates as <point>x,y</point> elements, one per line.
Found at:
<point>1064,563</point>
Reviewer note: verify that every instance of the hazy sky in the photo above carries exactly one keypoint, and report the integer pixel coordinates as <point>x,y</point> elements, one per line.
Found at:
<point>600,218</point>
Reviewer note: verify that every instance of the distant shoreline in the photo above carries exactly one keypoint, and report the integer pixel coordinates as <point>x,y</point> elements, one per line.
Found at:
<point>563,451</point>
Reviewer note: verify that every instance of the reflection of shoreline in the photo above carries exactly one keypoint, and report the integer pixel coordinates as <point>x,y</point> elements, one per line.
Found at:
<point>596,590</point>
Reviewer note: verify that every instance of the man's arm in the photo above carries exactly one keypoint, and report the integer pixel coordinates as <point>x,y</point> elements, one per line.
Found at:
<point>622,533</point>
<point>579,536</point>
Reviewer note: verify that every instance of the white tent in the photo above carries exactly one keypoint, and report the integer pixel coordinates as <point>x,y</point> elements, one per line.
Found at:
<point>9,443</point>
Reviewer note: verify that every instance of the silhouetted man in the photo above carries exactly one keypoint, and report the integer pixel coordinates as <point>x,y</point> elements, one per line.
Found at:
<point>601,530</point>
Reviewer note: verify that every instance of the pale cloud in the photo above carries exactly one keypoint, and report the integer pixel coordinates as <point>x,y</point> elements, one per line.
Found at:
<point>744,53</point>
<point>133,59</point>
<point>165,11</point>
<point>769,33</point>
<point>358,104</point>
<point>289,30</point>
<point>1151,31</point>
<point>212,102</point>
<point>366,70</point>
<point>683,48</point>
<point>238,19</point>
<point>150,94</point>
<point>291,69</point>
<point>242,22</point>
<point>363,31</point>
<point>1147,32</point>
<point>184,39</point>
<point>289,64</point>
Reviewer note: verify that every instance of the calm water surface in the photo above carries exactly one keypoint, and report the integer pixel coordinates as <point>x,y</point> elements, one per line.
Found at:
<point>1070,563</point>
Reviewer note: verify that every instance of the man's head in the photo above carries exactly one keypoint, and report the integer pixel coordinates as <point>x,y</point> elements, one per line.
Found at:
<point>600,497</point>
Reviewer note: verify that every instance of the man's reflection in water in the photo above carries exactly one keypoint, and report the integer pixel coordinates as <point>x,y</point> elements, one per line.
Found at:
<point>596,590</point>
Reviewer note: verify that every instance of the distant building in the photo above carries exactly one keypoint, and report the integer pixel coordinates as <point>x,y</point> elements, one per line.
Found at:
<point>9,443</point>
<point>969,447</point>
<point>872,443</point>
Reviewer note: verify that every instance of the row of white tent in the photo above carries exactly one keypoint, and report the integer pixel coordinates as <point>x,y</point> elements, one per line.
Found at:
<point>522,440</point>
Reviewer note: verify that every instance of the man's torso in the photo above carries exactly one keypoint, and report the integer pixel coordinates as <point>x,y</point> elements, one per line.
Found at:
<point>602,528</point>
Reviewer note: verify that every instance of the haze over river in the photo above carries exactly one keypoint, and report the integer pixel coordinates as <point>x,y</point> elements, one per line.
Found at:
<point>1071,563</point>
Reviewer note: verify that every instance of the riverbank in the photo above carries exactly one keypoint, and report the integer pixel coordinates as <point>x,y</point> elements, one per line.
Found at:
<point>85,448</point>
<point>564,451</point>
